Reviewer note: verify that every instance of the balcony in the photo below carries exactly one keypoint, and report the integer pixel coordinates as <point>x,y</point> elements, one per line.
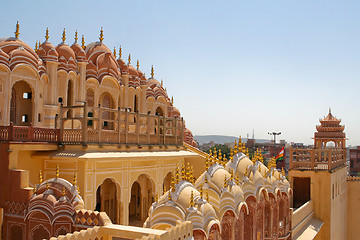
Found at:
<point>121,127</point>
<point>317,159</point>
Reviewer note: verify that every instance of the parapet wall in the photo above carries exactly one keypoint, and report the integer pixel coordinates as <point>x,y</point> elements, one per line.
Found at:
<point>353,203</point>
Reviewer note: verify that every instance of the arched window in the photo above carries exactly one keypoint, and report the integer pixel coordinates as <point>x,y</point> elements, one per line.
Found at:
<point>21,105</point>
<point>136,104</point>
<point>70,98</point>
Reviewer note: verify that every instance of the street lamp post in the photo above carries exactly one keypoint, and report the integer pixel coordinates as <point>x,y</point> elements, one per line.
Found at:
<point>274,134</point>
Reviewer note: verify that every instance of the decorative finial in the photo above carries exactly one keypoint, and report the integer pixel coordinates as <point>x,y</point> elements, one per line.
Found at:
<point>164,189</point>
<point>169,195</point>
<point>63,191</point>
<point>36,46</point>
<point>64,36</point>
<point>115,52</point>
<point>83,42</point>
<point>17,33</point>
<point>76,36</point>
<point>329,110</point>
<point>47,185</point>
<point>137,65</point>
<point>207,195</point>
<point>47,34</point>
<point>156,197</point>
<point>120,52</point>
<point>201,192</point>
<point>57,171</point>
<point>206,181</point>
<point>40,177</point>
<point>101,38</point>
<point>129,59</point>
<point>162,83</point>
<point>283,172</point>
<point>173,183</point>
<point>78,190</point>
<point>152,71</point>
<point>75,179</point>
<point>172,100</point>
<point>192,199</point>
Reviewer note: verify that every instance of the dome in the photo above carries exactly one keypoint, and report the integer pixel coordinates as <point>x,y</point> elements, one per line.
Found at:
<point>176,112</point>
<point>133,71</point>
<point>93,50</point>
<point>65,51</point>
<point>21,55</point>
<point>18,52</point>
<point>79,52</point>
<point>4,58</point>
<point>107,65</point>
<point>47,52</point>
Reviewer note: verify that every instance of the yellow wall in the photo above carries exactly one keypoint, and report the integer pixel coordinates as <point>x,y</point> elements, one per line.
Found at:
<point>331,211</point>
<point>353,215</point>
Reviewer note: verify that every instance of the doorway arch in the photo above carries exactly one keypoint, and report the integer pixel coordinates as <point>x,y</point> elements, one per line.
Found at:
<point>21,105</point>
<point>107,195</point>
<point>167,181</point>
<point>142,196</point>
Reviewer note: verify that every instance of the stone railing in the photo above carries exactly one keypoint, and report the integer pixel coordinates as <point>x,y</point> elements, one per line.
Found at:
<point>353,179</point>
<point>316,159</point>
<point>85,125</point>
<point>117,126</point>
<point>182,231</point>
<point>28,134</point>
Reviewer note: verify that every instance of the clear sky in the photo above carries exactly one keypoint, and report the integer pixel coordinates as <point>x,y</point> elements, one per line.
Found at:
<point>232,66</point>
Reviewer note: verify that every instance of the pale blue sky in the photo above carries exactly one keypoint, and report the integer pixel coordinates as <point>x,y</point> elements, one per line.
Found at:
<point>232,66</point>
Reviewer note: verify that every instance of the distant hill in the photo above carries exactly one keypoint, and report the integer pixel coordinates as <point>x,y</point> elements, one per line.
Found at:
<point>220,139</point>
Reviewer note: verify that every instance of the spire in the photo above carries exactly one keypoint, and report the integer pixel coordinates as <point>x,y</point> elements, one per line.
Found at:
<point>120,52</point>
<point>330,110</point>
<point>63,36</point>
<point>137,65</point>
<point>101,38</point>
<point>115,52</point>
<point>17,33</point>
<point>57,171</point>
<point>192,199</point>
<point>76,36</point>
<point>75,179</point>
<point>129,59</point>
<point>152,71</point>
<point>40,177</point>
<point>83,42</point>
<point>47,34</point>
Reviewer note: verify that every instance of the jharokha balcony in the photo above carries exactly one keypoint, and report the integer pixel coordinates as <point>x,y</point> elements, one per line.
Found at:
<point>99,125</point>
<point>326,159</point>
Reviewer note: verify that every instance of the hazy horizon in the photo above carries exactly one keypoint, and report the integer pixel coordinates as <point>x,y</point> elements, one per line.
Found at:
<point>231,66</point>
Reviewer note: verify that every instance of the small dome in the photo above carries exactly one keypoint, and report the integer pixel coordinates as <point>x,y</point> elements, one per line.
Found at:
<point>4,58</point>
<point>65,51</point>
<point>21,55</point>
<point>93,50</point>
<point>47,52</point>
<point>79,52</point>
